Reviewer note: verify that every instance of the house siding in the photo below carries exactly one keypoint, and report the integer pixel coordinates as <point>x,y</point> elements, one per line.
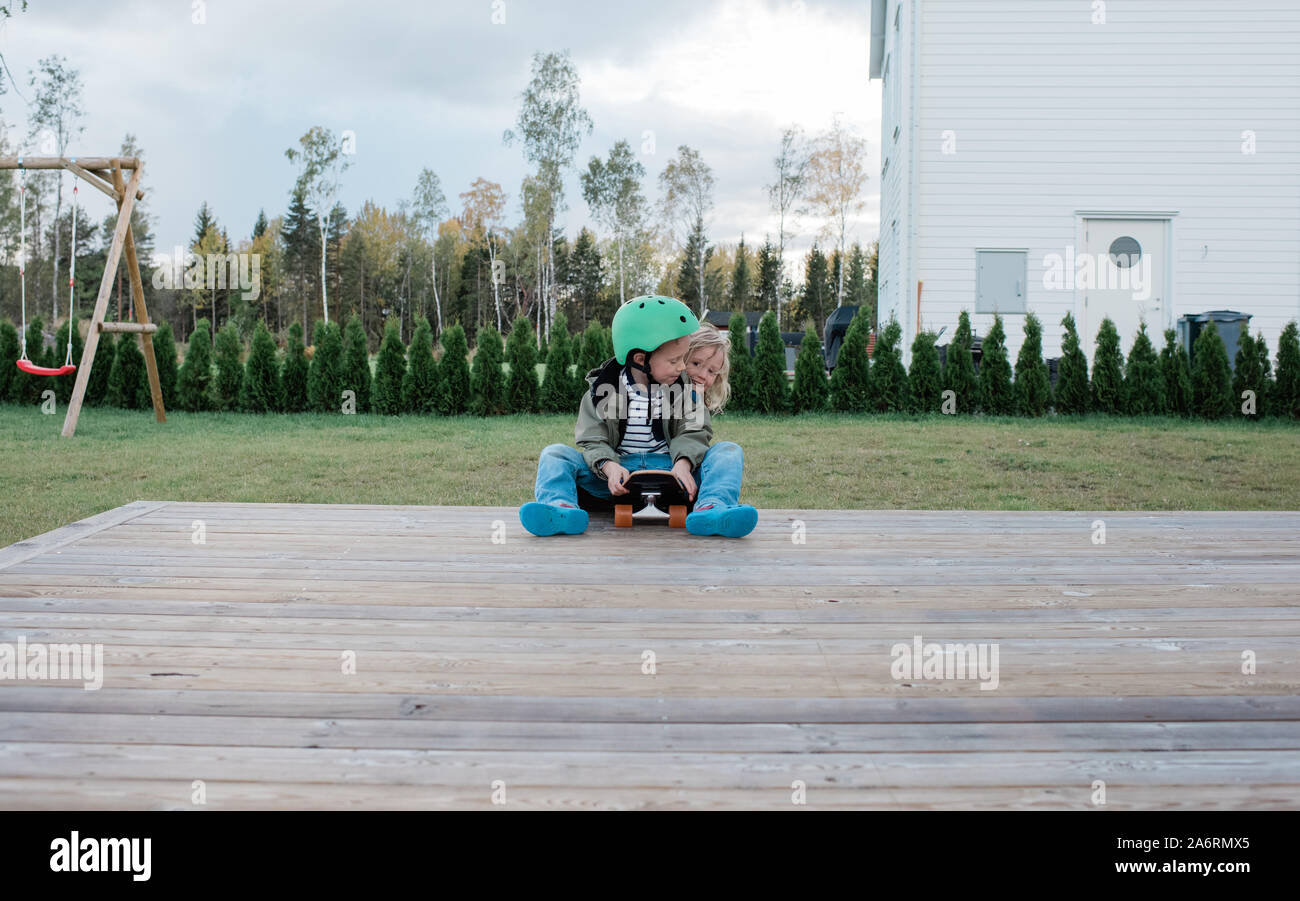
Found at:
<point>1052,115</point>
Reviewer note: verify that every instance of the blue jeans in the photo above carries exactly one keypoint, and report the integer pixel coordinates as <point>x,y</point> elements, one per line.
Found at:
<point>561,469</point>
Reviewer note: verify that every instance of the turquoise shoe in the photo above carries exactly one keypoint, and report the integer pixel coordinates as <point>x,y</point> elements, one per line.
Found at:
<point>730,522</point>
<point>549,519</point>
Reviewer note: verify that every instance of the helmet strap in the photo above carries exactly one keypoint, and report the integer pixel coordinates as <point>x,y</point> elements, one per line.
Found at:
<point>644,367</point>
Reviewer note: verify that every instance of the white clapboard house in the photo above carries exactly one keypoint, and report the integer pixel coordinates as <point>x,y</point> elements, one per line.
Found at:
<point>1121,158</point>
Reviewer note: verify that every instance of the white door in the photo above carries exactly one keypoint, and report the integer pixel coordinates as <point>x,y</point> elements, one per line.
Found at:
<point>1128,282</point>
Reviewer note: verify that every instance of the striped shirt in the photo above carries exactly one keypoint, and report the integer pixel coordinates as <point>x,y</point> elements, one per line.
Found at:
<point>641,407</point>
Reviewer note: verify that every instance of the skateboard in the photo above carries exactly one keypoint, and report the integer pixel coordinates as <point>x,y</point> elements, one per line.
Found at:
<point>654,495</point>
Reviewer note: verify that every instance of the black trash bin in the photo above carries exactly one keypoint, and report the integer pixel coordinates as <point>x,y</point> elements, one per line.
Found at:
<point>1229,324</point>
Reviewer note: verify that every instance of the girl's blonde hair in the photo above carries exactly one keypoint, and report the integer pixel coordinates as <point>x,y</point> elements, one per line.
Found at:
<point>706,337</point>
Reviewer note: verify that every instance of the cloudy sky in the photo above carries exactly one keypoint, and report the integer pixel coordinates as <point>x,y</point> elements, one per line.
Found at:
<point>215,105</point>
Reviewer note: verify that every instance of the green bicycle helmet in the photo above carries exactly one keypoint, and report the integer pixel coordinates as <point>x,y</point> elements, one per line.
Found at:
<point>645,323</point>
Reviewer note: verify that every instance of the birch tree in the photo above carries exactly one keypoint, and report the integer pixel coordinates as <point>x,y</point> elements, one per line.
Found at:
<point>791,181</point>
<point>613,191</point>
<point>429,206</point>
<point>550,126</point>
<point>55,118</point>
<point>837,175</point>
<point>323,164</point>
<point>687,185</point>
<point>485,202</point>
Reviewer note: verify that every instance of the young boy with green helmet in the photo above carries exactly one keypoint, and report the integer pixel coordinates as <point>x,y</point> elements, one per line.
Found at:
<point>642,412</point>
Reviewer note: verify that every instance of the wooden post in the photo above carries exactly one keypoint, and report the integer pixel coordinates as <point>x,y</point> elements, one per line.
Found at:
<point>101,303</point>
<point>141,313</point>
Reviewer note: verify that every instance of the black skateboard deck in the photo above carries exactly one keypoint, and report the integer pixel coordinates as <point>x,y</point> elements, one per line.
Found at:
<point>654,495</point>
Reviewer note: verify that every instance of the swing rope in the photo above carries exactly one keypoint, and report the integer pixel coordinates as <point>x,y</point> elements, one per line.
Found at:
<point>23,362</point>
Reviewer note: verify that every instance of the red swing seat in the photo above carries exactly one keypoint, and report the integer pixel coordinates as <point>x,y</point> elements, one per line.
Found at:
<point>32,369</point>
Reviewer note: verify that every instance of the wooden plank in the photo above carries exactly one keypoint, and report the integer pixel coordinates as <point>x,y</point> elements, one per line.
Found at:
<point>166,699</point>
<point>786,602</point>
<point>823,620</point>
<point>495,653</point>
<point>587,769</point>
<point>836,738</point>
<point>252,631</point>
<point>683,682</point>
<point>47,542</point>
<point>93,793</point>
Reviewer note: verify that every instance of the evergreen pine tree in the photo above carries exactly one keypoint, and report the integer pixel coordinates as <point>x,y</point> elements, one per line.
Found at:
<point>261,391</point>
<point>770,394</point>
<point>1033,385</point>
<point>959,367</point>
<point>1267,387</point>
<point>194,381</point>
<point>356,363</point>
<point>63,384</point>
<point>996,396</point>
<point>887,384</point>
<point>1106,390</point>
<point>164,352</point>
<point>293,377</point>
<point>741,377</point>
<point>817,294</point>
<point>1248,375</point>
<point>1286,393</point>
<point>855,285</point>
<point>742,282</point>
<point>97,386</point>
<point>923,379</point>
<point>1211,376</point>
<point>1176,375</point>
<point>487,380</point>
<point>390,371</point>
<point>230,371</point>
<point>126,378</point>
<point>1072,394</point>
<point>420,385</point>
<point>325,376</point>
<point>1144,385</point>
<point>557,389</point>
<point>850,387</point>
<point>593,350</point>
<point>9,350</point>
<point>453,372</point>
<point>810,393</point>
<point>521,354</point>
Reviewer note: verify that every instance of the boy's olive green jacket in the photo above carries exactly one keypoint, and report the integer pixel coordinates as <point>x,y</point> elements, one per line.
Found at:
<point>602,418</point>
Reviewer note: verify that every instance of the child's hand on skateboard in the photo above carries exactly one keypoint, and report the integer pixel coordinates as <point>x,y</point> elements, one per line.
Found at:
<point>616,475</point>
<point>682,469</point>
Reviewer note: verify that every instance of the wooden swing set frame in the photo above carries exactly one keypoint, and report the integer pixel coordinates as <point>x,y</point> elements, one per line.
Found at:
<point>105,175</point>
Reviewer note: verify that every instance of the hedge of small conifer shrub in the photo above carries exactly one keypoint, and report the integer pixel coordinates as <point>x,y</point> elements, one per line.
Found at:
<point>435,375</point>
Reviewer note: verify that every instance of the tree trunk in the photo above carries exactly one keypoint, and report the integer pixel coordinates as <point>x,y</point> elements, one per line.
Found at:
<point>437,302</point>
<point>622,293</point>
<point>324,301</point>
<point>58,207</point>
<point>496,294</point>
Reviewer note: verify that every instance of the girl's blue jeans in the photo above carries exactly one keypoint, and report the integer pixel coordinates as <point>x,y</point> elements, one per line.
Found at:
<point>561,469</point>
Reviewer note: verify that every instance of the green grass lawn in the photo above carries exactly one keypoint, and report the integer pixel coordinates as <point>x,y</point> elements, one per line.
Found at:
<point>863,462</point>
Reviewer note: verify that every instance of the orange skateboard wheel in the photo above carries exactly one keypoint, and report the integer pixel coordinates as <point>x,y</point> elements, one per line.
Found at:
<point>623,516</point>
<point>677,516</point>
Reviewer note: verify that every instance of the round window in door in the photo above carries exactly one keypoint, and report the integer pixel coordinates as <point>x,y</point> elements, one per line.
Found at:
<point>1125,252</point>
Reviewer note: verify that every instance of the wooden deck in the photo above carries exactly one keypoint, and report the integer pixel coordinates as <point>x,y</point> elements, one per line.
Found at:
<point>520,665</point>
